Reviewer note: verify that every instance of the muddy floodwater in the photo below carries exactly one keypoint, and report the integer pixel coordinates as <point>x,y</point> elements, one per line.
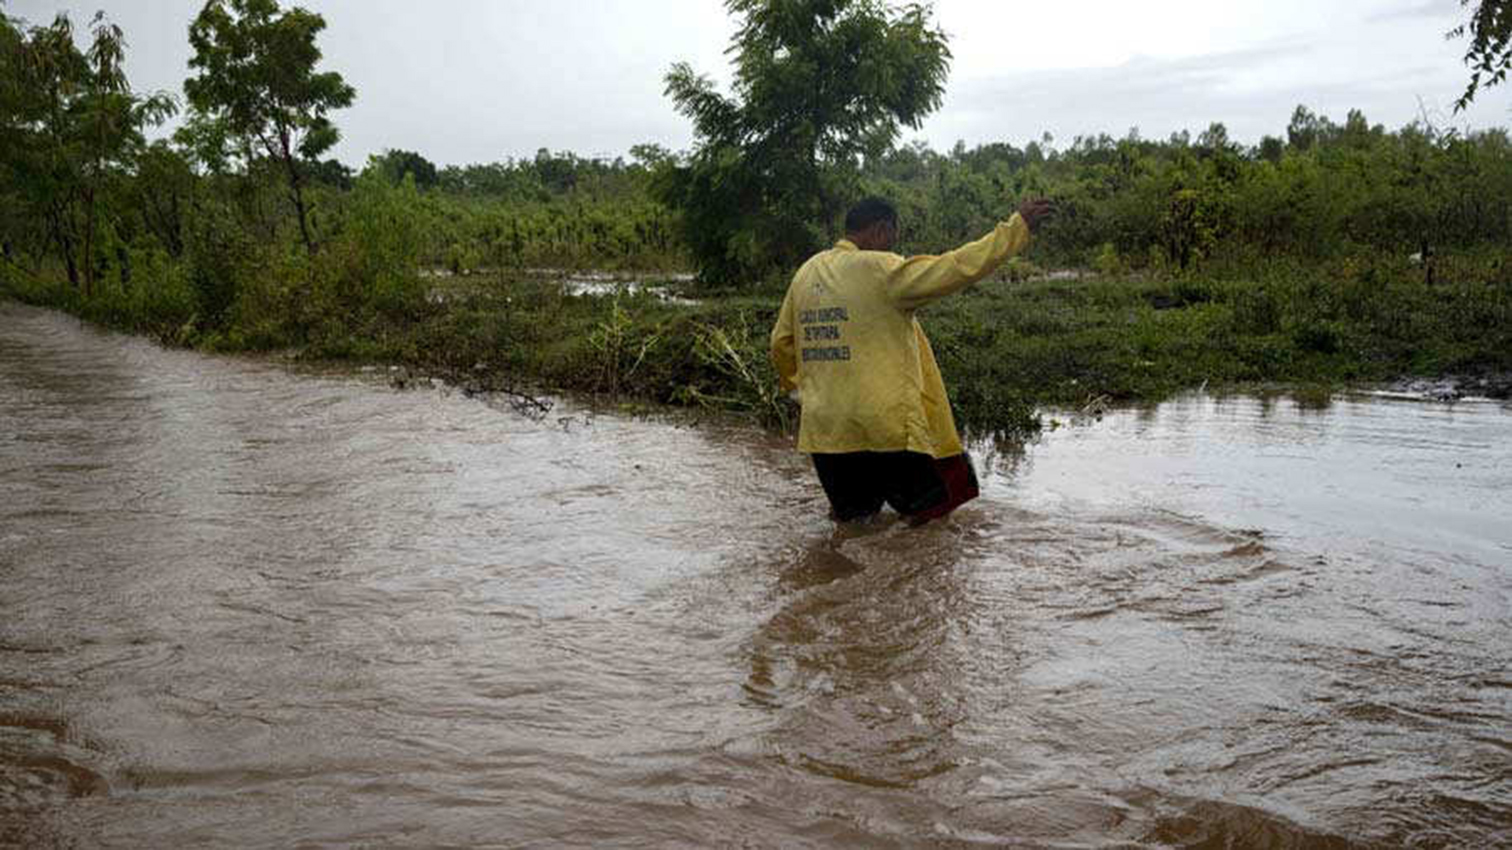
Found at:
<point>242,606</point>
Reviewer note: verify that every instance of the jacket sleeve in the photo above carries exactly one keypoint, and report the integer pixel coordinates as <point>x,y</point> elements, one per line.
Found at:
<point>784,346</point>
<point>918,280</point>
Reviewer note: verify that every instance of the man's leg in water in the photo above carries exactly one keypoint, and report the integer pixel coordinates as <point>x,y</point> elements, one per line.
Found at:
<point>851,483</point>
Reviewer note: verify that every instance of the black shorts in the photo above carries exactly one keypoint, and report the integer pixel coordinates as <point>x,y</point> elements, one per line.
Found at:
<point>914,484</point>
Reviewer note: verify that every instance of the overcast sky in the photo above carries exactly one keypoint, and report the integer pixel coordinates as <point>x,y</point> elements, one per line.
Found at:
<point>465,81</point>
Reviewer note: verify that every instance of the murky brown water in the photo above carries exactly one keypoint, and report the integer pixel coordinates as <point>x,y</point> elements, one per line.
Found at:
<point>243,607</point>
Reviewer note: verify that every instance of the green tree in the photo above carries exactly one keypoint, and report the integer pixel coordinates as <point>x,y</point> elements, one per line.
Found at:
<point>256,75</point>
<point>394,164</point>
<point>111,118</point>
<point>12,133</point>
<point>820,86</point>
<point>73,129</point>
<point>1490,53</point>
<point>1305,128</point>
<point>1270,149</point>
<point>557,172</point>
<point>650,155</point>
<point>207,143</point>
<point>329,172</point>
<point>164,189</point>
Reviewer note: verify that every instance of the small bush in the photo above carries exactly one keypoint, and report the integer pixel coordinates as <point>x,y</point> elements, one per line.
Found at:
<point>1106,260</point>
<point>1256,310</point>
<point>1317,337</point>
<point>219,257</point>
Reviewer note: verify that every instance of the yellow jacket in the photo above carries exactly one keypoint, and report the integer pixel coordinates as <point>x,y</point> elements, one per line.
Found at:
<point>847,340</point>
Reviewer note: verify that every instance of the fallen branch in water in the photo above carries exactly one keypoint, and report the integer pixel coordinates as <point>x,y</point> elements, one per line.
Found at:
<point>480,380</point>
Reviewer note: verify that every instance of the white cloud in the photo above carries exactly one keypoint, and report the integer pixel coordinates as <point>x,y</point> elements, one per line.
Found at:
<point>1352,55</point>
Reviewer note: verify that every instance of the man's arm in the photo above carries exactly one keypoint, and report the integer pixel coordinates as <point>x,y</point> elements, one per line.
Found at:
<point>919,280</point>
<point>784,346</point>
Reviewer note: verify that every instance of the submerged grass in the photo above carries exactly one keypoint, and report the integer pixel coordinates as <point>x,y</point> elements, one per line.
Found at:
<point>1006,347</point>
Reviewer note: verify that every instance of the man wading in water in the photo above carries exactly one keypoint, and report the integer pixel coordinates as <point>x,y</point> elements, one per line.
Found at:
<point>875,417</point>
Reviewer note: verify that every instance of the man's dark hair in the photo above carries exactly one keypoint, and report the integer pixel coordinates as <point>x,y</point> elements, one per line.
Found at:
<point>868,212</point>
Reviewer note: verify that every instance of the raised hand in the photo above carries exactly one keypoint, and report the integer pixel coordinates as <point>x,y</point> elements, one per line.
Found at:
<point>1036,210</point>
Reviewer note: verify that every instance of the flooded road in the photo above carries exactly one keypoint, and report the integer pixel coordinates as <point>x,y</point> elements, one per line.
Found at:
<point>245,607</point>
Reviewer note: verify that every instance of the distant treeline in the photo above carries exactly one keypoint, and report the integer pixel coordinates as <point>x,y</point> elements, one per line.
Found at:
<point>1321,190</point>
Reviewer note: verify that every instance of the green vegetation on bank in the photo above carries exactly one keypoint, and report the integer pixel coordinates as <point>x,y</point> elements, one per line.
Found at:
<point>1325,255</point>
<point>1007,347</point>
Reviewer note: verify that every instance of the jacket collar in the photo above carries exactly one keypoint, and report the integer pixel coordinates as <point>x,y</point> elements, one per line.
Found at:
<point>846,245</point>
